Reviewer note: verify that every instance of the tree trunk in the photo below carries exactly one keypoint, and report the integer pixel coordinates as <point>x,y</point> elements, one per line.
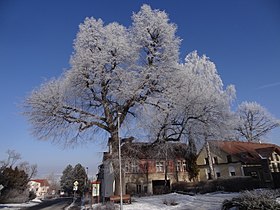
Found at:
<point>211,167</point>
<point>117,184</point>
<point>114,141</point>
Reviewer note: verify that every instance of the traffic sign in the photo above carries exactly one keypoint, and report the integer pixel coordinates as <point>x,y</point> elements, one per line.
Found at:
<point>75,188</point>
<point>1,187</point>
<point>76,183</point>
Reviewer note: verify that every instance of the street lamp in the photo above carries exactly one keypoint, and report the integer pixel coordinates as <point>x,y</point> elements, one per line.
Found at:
<point>120,162</point>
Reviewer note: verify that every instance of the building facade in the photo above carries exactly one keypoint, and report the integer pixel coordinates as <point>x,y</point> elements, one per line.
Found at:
<point>147,168</point>
<point>235,158</point>
<point>40,187</point>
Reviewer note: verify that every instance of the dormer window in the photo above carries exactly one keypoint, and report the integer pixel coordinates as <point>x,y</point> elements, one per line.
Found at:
<point>229,159</point>
<point>216,160</point>
<point>206,161</point>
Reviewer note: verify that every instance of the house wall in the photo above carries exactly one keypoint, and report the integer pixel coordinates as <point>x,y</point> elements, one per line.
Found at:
<point>143,180</point>
<point>274,161</point>
<point>222,166</point>
<point>40,190</point>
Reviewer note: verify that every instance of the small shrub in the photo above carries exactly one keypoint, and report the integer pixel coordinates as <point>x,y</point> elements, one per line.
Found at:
<point>107,206</point>
<point>110,206</point>
<point>98,207</point>
<point>257,199</point>
<point>169,202</point>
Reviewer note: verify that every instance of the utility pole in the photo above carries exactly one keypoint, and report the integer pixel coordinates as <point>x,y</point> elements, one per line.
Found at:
<point>120,163</point>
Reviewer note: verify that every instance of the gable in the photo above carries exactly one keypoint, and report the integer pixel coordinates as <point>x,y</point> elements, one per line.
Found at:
<point>246,152</point>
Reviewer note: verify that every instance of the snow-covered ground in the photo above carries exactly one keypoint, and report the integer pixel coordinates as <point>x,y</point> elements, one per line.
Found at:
<point>210,201</point>
<point>17,206</point>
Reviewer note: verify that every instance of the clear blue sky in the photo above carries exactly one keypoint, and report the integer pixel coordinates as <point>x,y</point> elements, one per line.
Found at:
<point>36,36</point>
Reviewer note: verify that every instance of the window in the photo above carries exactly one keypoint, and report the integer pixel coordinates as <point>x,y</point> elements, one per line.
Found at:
<point>132,167</point>
<point>159,166</point>
<point>208,174</point>
<point>254,174</point>
<point>216,160</point>
<point>184,166</point>
<point>218,172</point>
<point>145,168</point>
<point>126,167</point>
<point>181,166</point>
<point>139,188</point>
<point>232,173</point>
<point>231,170</point>
<point>206,161</point>
<point>229,159</point>
<point>276,157</point>
<point>178,166</point>
<point>145,189</point>
<point>274,167</point>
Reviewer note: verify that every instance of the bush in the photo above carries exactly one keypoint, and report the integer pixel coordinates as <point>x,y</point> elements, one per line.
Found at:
<point>185,187</point>
<point>232,184</point>
<point>169,202</point>
<point>15,196</point>
<point>107,206</point>
<point>257,199</point>
<point>237,184</point>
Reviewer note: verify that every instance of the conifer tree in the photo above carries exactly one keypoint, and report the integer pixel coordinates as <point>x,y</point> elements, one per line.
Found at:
<point>67,180</point>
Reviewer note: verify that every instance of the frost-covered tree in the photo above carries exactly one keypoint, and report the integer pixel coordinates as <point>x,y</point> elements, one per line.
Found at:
<point>254,121</point>
<point>197,102</point>
<point>113,69</point>
<point>196,107</point>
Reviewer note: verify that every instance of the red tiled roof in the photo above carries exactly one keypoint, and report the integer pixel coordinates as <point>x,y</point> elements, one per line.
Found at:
<point>247,152</point>
<point>43,182</point>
